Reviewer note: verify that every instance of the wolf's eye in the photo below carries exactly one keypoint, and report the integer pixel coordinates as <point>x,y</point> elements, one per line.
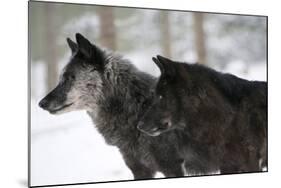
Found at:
<point>91,85</point>
<point>72,77</point>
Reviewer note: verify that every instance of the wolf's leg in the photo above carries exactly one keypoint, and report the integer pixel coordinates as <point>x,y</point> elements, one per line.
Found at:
<point>173,168</point>
<point>139,170</point>
<point>197,167</point>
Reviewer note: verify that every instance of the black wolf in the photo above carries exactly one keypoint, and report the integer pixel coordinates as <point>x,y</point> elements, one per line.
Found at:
<point>115,95</point>
<point>223,119</point>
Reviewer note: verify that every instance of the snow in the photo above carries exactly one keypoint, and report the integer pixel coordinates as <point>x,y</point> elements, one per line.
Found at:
<point>68,149</point>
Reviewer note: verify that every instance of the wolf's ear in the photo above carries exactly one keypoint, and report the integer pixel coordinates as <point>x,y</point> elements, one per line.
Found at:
<point>84,45</point>
<point>165,65</point>
<point>72,45</point>
<point>157,62</point>
<point>164,59</point>
<point>90,51</point>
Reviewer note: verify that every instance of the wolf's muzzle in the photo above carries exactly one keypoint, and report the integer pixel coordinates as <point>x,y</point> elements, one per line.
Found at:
<point>44,103</point>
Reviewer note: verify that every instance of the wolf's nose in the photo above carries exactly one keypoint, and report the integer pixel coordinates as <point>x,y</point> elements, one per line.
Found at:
<point>140,125</point>
<point>43,103</point>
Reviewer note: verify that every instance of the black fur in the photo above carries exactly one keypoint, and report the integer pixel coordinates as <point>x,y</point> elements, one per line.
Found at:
<point>222,118</point>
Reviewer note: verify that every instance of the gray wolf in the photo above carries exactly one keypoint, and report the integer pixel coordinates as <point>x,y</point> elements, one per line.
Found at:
<point>115,95</point>
<point>222,118</point>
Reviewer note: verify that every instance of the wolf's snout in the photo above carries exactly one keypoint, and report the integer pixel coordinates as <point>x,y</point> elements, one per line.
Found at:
<point>44,103</point>
<point>140,125</point>
<point>166,124</point>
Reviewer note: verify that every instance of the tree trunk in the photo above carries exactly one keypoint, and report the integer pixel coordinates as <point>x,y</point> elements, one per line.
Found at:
<point>165,33</point>
<point>107,27</point>
<point>198,21</point>
<point>51,47</point>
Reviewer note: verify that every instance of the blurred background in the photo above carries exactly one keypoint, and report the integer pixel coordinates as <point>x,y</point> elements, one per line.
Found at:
<point>67,148</point>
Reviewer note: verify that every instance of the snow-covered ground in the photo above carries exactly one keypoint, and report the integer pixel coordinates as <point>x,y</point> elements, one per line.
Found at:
<point>68,149</point>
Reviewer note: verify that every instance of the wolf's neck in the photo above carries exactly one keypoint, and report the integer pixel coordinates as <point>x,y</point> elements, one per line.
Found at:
<point>128,93</point>
<point>125,90</point>
<point>122,104</point>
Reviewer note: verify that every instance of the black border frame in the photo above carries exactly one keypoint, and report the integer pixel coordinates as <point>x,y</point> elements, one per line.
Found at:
<point>118,6</point>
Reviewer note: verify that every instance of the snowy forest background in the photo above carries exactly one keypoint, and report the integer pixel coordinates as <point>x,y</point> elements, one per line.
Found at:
<point>67,148</point>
